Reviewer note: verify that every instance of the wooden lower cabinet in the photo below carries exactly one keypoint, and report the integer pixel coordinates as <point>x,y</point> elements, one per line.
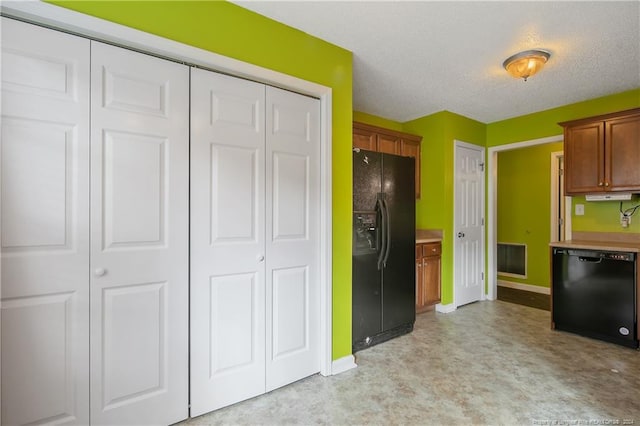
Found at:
<point>428,257</point>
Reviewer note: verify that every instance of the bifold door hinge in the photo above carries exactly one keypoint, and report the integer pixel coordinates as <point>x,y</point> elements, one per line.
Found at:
<point>482,276</point>
<point>482,221</point>
<point>481,167</point>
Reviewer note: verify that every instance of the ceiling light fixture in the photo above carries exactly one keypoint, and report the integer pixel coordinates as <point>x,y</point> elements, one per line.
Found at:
<point>527,63</point>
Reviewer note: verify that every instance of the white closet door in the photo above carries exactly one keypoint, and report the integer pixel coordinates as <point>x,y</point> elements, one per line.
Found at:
<point>139,238</point>
<point>227,240</point>
<point>45,210</point>
<point>293,238</point>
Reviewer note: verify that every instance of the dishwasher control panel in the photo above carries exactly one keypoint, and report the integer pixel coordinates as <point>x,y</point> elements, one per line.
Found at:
<point>627,257</point>
<point>597,254</point>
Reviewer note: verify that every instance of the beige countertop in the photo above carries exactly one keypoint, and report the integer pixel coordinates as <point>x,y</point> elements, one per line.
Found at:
<point>428,240</point>
<point>611,241</point>
<point>598,245</point>
<point>428,236</point>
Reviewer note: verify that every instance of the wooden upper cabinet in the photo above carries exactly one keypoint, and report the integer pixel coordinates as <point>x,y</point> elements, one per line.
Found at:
<point>379,139</point>
<point>623,153</point>
<point>584,158</point>
<point>602,153</point>
<point>365,139</point>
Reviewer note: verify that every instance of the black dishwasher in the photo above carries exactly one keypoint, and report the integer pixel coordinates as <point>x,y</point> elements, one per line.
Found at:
<point>594,294</point>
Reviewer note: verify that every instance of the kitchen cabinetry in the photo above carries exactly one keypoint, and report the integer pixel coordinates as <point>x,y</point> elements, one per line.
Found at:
<point>427,275</point>
<point>379,139</point>
<point>602,153</point>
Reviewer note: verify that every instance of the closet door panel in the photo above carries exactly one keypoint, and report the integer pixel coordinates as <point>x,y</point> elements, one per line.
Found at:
<point>227,240</point>
<point>139,229</point>
<point>292,242</point>
<point>44,203</point>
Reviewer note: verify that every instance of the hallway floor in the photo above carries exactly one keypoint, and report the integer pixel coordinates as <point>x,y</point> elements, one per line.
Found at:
<point>486,363</point>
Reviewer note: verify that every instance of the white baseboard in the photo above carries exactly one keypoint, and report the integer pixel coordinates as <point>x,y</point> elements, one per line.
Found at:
<point>445,309</point>
<point>343,364</point>
<point>525,287</point>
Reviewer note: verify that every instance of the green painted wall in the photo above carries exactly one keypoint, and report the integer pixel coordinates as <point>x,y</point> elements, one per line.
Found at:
<point>230,30</point>
<point>435,208</point>
<point>524,205</point>
<point>598,217</point>
<point>545,123</point>
<point>604,216</point>
<point>374,120</point>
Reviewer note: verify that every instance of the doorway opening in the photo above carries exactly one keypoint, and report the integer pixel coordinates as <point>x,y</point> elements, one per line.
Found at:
<point>492,204</point>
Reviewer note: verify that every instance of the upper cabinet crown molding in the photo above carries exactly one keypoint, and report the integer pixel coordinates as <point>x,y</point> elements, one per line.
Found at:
<point>602,153</point>
<point>379,139</point>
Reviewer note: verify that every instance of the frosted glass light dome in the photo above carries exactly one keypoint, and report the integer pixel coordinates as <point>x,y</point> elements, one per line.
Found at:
<point>527,63</point>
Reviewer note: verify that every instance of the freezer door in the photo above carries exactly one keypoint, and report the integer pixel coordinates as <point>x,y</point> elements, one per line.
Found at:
<point>366,298</point>
<point>366,277</point>
<point>367,172</point>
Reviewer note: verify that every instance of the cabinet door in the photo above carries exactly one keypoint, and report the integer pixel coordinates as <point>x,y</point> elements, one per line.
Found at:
<point>623,154</point>
<point>364,139</point>
<point>431,271</point>
<point>584,158</point>
<point>44,202</point>
<point>139,238</point>
<point>412,149</point>
<point>419,279</point>
<point>388,144</point>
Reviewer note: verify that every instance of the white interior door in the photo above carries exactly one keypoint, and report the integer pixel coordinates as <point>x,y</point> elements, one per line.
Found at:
<point>45,238</point>
<point>469,224</point>
<point>293,249</point>
<point>227,240</point>
<point>139,238</point>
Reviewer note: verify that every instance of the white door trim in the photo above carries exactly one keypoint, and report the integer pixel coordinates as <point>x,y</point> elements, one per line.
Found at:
<point>70,21</point>
<point>492,206</point>
<point>482,149</point>
<point>555,181</point>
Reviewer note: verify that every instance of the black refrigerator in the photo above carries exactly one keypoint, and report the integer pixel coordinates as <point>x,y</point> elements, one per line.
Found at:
<point>383,256</point>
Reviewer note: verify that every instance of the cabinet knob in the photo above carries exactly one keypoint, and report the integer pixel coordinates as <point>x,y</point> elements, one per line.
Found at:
<point>600,183</point>
<point>606,184</point>
<point>260,258</point>
<point>434,250</point>
<point>99,272</point>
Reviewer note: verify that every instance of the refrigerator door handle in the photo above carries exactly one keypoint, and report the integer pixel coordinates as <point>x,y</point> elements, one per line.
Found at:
<point>387,248</point>
<point>383,231</point>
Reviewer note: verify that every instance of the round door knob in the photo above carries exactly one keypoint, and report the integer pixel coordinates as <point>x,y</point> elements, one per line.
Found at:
<point>100,272</point>
<point>260,258</point>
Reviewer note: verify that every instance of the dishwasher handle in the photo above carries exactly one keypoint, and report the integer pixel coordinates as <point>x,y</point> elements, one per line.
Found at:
<point>589,259</point>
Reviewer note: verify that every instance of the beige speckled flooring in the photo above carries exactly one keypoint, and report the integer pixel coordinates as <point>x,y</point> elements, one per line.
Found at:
<point>486,363</point>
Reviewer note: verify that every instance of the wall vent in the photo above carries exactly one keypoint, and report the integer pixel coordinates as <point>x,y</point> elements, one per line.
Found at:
<point>512,260</point>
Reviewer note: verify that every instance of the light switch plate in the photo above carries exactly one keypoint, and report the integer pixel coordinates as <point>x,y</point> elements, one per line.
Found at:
<point>579,209</point>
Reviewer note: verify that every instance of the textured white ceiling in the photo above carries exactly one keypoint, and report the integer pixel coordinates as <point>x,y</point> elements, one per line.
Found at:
<point>415,58</point>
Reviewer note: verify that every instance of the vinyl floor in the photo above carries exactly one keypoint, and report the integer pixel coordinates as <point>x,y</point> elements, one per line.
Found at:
<point>487,363</point>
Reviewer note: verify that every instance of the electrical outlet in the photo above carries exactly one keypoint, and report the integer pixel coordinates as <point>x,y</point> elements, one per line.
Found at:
<point>625,221</point>
<point>579,209</point>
